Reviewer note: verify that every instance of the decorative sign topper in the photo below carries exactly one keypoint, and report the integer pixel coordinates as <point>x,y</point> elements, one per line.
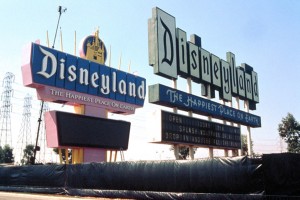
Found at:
<point>171,55</point>
<point>93,49</point>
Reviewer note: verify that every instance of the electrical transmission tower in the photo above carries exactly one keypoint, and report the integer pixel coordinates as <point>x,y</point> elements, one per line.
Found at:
<point>5,110</point>
<point>24,138</point>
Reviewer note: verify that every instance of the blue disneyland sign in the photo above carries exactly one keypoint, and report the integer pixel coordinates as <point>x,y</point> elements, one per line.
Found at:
<point>166,96</point>
<point>50,67</point>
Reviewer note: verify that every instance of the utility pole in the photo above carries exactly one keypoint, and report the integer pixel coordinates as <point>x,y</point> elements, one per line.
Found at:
<point>60,11</point>
<point>37,148</point>
<point>43,154</point>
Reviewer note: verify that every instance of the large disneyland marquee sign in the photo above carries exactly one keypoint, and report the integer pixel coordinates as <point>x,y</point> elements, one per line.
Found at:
<point>61,77</point>
<point>171,55</point>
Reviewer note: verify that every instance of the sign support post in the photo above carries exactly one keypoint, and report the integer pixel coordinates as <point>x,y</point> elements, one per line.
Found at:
<point>210,149</point>
<point>226,151</point>
<point>246,105</point>
<point>190,113</point>
<point>240,151</point>
<point>175,110</point>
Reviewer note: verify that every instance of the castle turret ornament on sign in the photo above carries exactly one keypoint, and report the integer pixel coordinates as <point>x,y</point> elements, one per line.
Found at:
<point>93,49</point>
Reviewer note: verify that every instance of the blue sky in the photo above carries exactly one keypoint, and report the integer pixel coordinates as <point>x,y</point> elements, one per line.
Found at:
<point>263,34</point>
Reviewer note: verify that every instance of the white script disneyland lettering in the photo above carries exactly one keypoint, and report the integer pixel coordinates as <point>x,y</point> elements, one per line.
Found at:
<point>171,55</point>
<point>104,82</point>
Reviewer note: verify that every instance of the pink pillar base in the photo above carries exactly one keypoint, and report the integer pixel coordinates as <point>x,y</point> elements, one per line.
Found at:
<point>94,154</point>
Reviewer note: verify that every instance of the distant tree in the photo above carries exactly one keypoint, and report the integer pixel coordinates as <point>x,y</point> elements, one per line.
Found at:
<point>1,155</point>
<point>63,152</point>
<point>6,154</point>
<point>28,153</point>
<point>289,130</point>
<point>244,145</point>
<point>184,152</point>
<point>245,150</point>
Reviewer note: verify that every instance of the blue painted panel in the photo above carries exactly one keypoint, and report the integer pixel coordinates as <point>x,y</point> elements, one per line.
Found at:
<point>131,89</point>
<point>121,86</point>
<point>70,73</point>
<point>104,85</point>
<point>141,90</point>
<point>40,55</point>
<point>94,69</point>
<point>60,75</point>
<point>82,81</point>
<point>113,83</point>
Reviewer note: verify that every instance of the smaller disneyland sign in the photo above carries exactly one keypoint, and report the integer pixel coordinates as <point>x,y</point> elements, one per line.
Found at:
<point>66,78</point>
<point>166,96</point>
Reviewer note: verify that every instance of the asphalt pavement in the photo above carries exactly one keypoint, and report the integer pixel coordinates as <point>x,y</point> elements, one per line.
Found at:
<point>26,196</point>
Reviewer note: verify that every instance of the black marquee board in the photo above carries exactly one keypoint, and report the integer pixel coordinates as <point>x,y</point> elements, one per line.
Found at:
<point>182,129</point>
<point>85,131</point>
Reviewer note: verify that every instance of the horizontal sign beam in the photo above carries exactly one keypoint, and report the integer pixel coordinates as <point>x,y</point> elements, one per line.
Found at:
<point>166,96</point>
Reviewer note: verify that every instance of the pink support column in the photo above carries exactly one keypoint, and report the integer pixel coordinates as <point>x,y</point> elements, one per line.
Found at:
<point>94,154</point>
